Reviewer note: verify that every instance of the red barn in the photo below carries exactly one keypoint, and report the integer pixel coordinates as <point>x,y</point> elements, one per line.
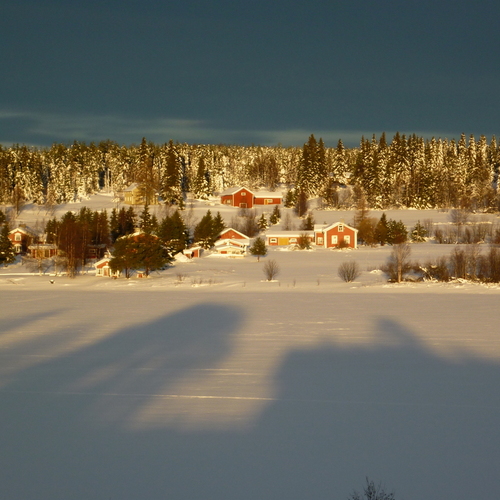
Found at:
<point>244,198</point>
<point>237,197</point>
<point>334,235</point>
<point>267,198</point>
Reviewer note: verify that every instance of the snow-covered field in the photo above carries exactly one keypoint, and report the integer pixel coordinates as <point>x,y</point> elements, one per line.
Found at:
<point>205,382</point>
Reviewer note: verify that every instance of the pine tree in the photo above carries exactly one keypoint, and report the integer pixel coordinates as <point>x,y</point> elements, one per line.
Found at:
<point>7,255</point>
<point>258,248</point>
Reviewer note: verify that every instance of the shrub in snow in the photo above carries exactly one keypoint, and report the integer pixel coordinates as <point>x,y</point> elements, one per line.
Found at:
<point>348,271</point>
<point>271,269</point>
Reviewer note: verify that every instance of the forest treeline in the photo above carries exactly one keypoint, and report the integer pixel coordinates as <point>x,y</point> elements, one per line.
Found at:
<point>410,172</point>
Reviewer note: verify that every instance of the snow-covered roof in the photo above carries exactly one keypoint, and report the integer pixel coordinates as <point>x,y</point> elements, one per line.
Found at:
<point>268,194</point>
<point>243,236</point>
<point>326,227</point>
<point>234,190</point>
<point>291,234</point>
<point>230,242</point>
<point>23,229</point>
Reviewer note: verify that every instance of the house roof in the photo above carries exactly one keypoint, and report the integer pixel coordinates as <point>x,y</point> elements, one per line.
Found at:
<point>233,243</point>
<point>268,194</point>
<point>327,227</point>
<point>234,190</point>
<point>243,236</point>
<point>132,186</point>
<point>25,230</point>
<point>102,262</point>
<point>290,234</point>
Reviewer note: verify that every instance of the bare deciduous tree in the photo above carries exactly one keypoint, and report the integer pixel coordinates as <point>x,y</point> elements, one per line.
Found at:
<point>348,271</point>
<point>271,269</point>
<point>372,492</point>
<point>399,262</point>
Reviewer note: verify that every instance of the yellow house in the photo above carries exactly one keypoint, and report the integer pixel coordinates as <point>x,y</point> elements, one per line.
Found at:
<point>135,194</point>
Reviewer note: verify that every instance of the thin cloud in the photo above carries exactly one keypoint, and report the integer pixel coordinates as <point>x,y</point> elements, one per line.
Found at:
<point>36,128</point>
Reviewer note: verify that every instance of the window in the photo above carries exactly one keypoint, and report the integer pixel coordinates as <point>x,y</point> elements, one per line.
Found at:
<point>347,239</point>
<point>341,228</point>
<point>293,240</point>
<point>243,193</point>
<point>335,239</point>
<point>17,237</point>
<point>320,240</point>
<point>268,202</point>
<point>273,241</point>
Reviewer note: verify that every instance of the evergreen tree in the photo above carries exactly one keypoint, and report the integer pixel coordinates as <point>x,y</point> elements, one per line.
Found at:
<point>396,232</point>
<point>7,254</point>
<point>146,222</point>
<point>171,182</point>
<point>258,248</point>
<point>102,236</point>
<point>124,258</point>
<point>204,231</point>
<point>381,230</point>
<point>173,232</point>
<point>275,216</point>
<point>418,233</point>
<point>262,222</point>
<point>150,254</point>
<point>218,225</point>
<point>71,242</point>
<point>308,223</point>
<point>290,199</point>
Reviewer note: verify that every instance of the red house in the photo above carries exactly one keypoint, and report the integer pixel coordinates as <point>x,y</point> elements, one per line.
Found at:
<point>231,234</point>
<point>244,198</point>
<point>21,238</point>
<point>335,235</point>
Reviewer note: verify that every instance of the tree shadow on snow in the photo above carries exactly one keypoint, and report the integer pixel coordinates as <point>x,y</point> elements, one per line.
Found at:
<point>425,425</point>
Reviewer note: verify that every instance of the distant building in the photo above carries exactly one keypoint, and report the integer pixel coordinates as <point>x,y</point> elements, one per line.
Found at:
<point>242,197</point>
<point>135,194</point>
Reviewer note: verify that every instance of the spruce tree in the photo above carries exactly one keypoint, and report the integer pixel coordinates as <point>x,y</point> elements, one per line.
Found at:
<point>275,216</point>
<point>145,221</point>
<point>204,231</point>
<point>7,255</point>
<point>258,248</point>
<point>418,233</point>
<point>218,225</point>
<point>381,230</point>
<point>262,222</point>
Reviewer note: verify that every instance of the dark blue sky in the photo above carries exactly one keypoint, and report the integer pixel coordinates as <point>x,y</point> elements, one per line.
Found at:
<point>263,72</point>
